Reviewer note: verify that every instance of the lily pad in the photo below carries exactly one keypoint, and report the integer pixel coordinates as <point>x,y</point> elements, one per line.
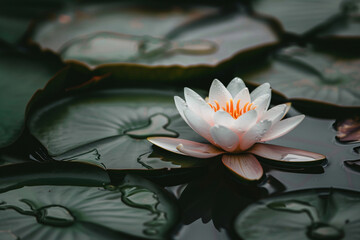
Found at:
<point>21,76</point>
<point>57,173</point>
<point>301,74</point>
<point>166,44</point>
<point>348,130</point>
<point>110,128</point>
<point>136,208</point>
<point>344,31</point>
<point>125,18</point>
<point>299,17</point>
<point>315,214</point>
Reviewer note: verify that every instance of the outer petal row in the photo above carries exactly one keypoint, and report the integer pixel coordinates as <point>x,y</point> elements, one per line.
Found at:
<point>285,154</point>
<point>245,165</point>
<point>186,147</point>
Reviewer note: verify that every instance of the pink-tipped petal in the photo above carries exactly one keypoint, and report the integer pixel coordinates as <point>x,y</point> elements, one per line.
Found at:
<point>243,96</point>
<point>283,127</point>
<point>262,103</point>
<point>225,138</point>
<point>198,105</point>
<point>186,147</point>
<point>275,114</point>
<point>263,89</point>
<point>207,151</point>
<point>219,93</point>
<point>285,154</point>
<point>245,165</point>
<point>181,106</point>
<point>245,121</point>
<point>235,86</point>
<point>223,118</point>
<point>198,124</point>
<point>255,134</point>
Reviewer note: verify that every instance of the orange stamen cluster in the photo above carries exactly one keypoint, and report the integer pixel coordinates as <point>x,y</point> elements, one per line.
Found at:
<point>234,110</point>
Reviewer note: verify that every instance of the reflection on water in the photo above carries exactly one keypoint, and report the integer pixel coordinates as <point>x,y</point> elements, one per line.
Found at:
<point>296,158</point>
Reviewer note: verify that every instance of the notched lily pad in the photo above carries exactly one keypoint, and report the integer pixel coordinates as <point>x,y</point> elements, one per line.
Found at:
<point>109,129</point>
<point>299,17</point>
<point>304,75</point>
<point>132,41</point>
<point>315,214</point>
<point>124,18</point>
<point>136,208</point>
<point>348,130</point>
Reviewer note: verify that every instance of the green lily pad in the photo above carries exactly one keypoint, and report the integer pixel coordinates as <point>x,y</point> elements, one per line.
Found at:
<point>110,128</point>
<point>305,74</point>
<point>344,33</point>
<point>126,18</point>
<point>57,173</point>
<point>166,44</point>
<point>136,208</point>
<point>316,214</point>
<point>299,17</point>
<point>21,76</point>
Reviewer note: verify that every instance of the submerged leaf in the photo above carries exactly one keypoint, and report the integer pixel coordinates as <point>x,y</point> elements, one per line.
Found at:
<point>353,164</point>
<point>136,208</point>
<point>348,130</point>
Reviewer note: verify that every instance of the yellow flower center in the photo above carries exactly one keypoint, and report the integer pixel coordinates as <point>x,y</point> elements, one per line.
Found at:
<point>234,110</point>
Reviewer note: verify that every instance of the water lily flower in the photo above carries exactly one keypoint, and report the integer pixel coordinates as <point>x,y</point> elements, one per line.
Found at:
<point>236,123</point>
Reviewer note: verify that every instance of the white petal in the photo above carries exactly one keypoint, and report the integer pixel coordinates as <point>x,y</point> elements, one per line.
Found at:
<point>243,96</point>
<point>219,93</point>
<point>275,114</point>
<point>192,148</point>
<point>283,127</point>
<point>262,103</point>
<point>181,106</point>
<point>285,154</point>
<point>223,118</point>
<point>198,105</point>
<point>246,121</point>
<point>198,124</point>
<point>244,165</point>
<point>263,89</point>
<point>225,138</point>
<point>255,134</point>
<point>235,86</point>
<point>198,151</point>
